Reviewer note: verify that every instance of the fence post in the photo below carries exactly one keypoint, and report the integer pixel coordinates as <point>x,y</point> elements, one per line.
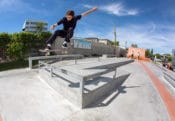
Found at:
<point>82,86</point>
<point>51,71</point>
<point>115,73</point>
<point>30,63</point>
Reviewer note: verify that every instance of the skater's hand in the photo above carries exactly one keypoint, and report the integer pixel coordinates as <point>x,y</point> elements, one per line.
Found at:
<point>89,11</point>
<point>52,27</point>
<point>94,8</point>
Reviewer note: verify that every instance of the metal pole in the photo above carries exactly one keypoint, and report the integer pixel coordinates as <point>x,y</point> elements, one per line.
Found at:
<point>30,63</point>
<point>51,71</point>
<point>82,86</point>
<point>115,40</point>
<point>75,60</point>
<point>115,73</point>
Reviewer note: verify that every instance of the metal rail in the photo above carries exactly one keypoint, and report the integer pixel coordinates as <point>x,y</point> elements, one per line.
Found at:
<point>76,56</point>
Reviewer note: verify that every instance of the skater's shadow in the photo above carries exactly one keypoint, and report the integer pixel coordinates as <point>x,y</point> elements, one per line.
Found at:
<point>112,95</point>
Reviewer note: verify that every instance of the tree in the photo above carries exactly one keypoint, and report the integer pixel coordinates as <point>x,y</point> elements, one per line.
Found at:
<point>21,45</point>
<point>40,27</point>
<point>169,58</point>
<point>15,51</point>
<point>134,45</point>
<point>42,37</point>
<point>5,39</point>
<point>157,55</point>
<point>149,53</point>
<point>152,51</point>
<point>115,43</point>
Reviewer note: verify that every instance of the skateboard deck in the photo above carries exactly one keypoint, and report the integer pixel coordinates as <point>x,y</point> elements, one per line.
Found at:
<point>54,50</point>
<point>48,52</point>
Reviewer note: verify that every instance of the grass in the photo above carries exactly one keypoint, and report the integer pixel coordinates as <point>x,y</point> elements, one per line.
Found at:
<point>14,65</point>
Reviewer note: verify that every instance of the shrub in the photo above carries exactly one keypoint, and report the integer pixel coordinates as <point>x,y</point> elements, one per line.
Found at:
<point>15,51</point>
<point>5,39</point>
<point>20,45</point>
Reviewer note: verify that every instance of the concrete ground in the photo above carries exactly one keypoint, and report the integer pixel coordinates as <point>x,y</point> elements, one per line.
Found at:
<point>26,97</point>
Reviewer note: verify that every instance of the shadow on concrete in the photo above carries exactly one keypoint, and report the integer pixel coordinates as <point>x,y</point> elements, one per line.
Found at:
<point>71,84</point>
<point>109,97</point>
<point>110,66</point>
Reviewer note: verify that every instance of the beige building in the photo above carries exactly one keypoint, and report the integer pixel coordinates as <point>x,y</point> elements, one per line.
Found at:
<point>92,39</point>
<point>96,40</point>
<point>105,41</point>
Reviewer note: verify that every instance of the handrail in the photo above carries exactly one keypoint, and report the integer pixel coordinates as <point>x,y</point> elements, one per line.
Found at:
<point>30,59</point>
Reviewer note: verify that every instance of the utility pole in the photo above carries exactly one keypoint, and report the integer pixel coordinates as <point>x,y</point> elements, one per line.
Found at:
<point>125,44</point>
<point>115,40</point>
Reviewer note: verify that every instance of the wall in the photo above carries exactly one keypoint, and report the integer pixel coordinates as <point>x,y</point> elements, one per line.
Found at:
<point>96,49</point>
<point>136,52</point>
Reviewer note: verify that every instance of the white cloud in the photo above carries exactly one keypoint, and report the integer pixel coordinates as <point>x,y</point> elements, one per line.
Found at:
<point>149,36</point>
<point>117,9</point>
<point>159,37</point>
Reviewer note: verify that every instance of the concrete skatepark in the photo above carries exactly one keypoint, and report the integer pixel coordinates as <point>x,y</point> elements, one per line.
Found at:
<point>120,91</point>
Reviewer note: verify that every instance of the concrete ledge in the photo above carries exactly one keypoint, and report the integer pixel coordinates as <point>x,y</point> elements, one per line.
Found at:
<point>62,86</point>
<point>77,83</point>
<point>104,90</point>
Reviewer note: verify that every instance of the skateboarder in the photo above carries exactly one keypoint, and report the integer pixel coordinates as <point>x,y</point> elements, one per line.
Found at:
<point>69,23</point>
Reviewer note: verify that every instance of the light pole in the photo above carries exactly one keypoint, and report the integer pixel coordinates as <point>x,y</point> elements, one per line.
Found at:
<point>125,44</point>
<point>115,41</point>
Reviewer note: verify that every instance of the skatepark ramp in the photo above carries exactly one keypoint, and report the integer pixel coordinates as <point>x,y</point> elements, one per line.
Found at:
<point>85,81</point>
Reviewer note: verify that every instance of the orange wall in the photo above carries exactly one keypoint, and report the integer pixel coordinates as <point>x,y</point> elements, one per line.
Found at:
<point>135,52</point>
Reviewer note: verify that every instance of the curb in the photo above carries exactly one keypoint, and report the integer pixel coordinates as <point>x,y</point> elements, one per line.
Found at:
<point>166,96</point>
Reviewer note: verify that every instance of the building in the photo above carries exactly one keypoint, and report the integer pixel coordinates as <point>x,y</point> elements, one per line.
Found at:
<point>35,26</point>
<point>96,40</point>
<point>136,53</point>
<point>92,39</point>
<point>105,41</point>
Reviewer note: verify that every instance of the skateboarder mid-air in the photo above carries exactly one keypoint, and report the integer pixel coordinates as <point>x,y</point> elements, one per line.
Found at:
<point>69,23</point>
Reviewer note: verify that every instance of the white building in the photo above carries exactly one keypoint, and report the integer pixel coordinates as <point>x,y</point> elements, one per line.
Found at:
<point>33,26</point>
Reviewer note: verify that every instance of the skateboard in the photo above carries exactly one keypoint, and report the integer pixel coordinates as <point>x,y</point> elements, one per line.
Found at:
<point>48,52</point>
<point>62,50</point>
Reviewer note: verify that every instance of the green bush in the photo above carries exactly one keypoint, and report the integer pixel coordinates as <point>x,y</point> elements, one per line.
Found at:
<point>20,45</point>
<point>15,51</point>
<point>41,39</point>
<point>5,39</point>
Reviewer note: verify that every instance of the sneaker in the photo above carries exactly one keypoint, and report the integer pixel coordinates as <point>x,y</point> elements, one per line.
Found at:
<point>47,48</point>
<point>64,45</point>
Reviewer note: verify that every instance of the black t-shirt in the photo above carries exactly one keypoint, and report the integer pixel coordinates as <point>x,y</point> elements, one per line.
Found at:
<point>69,24</point>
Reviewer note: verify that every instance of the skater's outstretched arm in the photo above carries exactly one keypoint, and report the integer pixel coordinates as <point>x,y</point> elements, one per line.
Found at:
<point>89,11</point>
<point>52,27</point>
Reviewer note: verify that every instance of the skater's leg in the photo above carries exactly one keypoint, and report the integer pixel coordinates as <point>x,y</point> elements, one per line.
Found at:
<point>52,38</point>
<point>69,35</point>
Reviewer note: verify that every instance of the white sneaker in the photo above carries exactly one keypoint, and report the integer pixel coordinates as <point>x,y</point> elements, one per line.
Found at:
<point>64,45</point>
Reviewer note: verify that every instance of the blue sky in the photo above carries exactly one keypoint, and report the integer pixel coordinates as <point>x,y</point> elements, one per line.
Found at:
<point>148,23</point>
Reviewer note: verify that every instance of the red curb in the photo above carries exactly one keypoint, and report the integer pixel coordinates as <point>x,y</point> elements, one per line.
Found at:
<point>166,96</point>
<point>0,118</point>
